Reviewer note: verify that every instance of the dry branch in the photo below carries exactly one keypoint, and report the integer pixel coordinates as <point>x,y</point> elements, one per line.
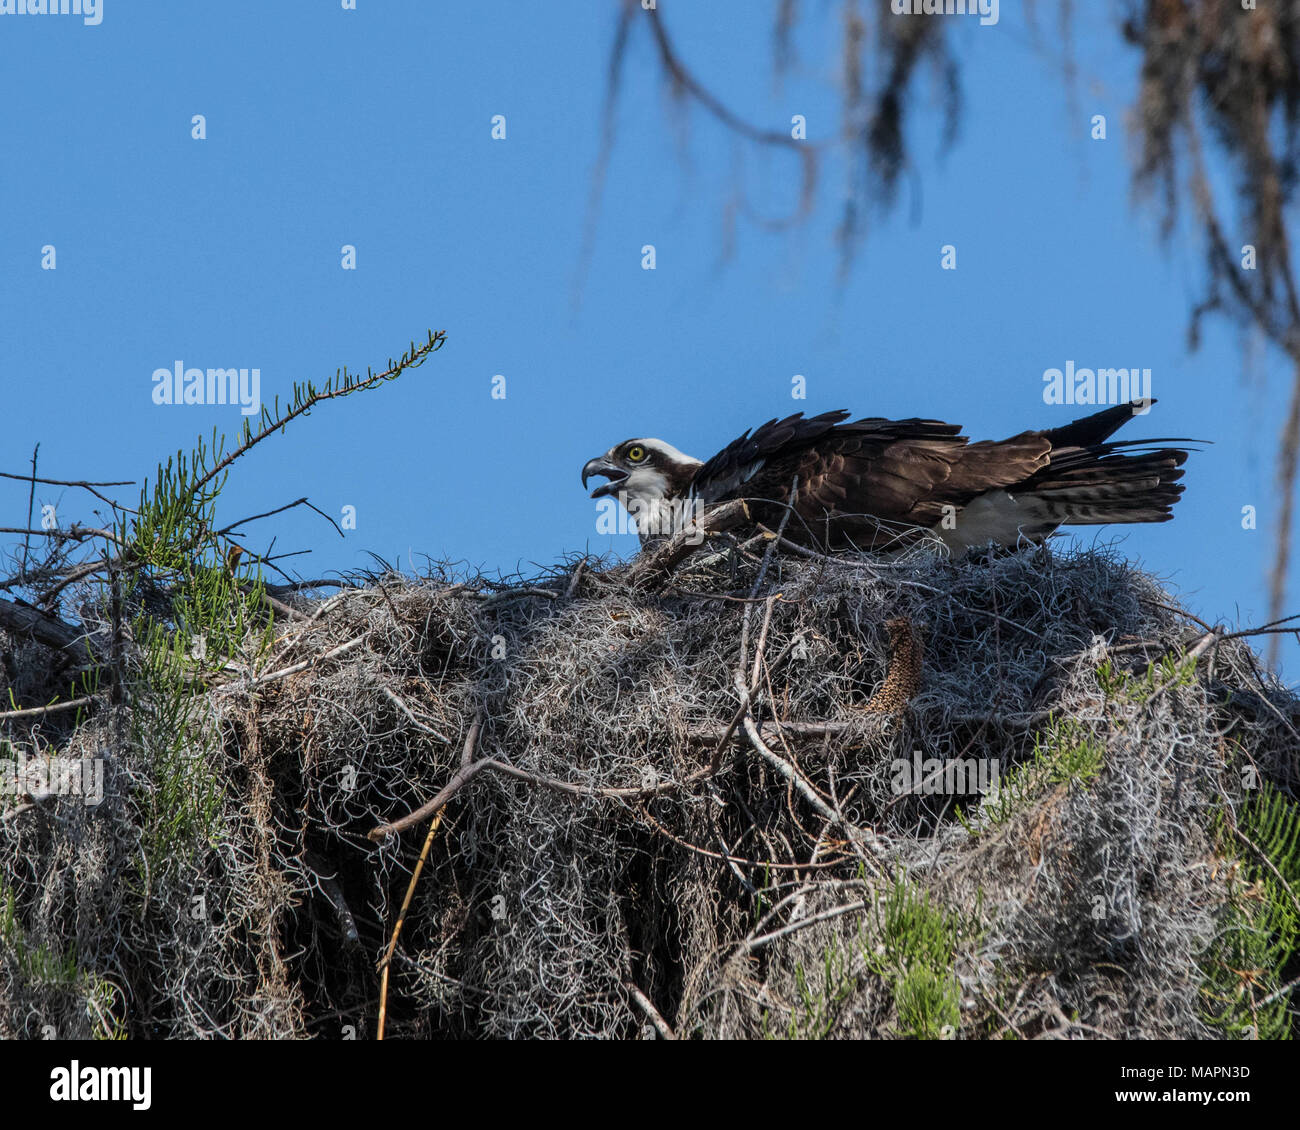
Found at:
<point>651,569</point>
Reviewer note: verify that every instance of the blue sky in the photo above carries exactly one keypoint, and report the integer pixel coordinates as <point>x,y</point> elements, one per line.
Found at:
<point>372,128</point>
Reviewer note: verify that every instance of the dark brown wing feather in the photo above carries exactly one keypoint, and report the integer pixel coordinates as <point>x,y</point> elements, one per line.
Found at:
<point>859,483</point>
<point>875,484</point>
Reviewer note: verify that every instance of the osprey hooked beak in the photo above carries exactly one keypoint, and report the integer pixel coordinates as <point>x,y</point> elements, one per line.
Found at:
<point>603,466</point>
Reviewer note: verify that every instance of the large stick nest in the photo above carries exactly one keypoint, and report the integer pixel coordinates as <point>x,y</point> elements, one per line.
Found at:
<point>622,858</point>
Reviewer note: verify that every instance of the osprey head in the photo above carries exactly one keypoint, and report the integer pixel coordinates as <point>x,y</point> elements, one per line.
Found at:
<point>643,472</point>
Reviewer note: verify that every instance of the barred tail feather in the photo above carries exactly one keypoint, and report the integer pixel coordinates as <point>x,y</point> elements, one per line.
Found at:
<point>1094,486</point>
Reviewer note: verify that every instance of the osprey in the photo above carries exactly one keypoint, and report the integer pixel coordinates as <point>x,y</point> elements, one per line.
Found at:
<point>880,485</point>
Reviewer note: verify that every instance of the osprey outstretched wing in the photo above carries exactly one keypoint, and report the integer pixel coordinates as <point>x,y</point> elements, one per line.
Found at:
<point>878,485</point>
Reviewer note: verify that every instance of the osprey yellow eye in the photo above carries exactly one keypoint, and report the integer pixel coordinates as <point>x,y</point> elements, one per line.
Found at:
<point>635,454</point>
